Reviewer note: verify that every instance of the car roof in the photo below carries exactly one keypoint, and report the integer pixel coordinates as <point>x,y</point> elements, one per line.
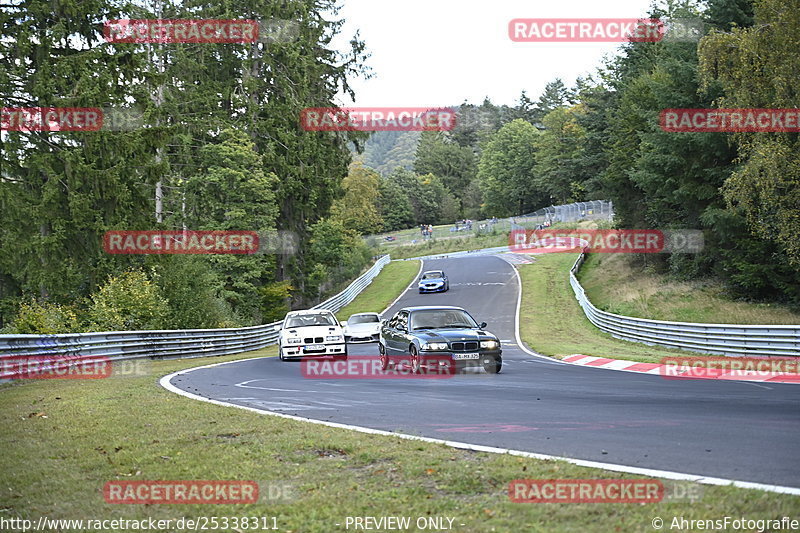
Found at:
<point>432,307</point>
<point>361,314</point>
<point>433,272</point>
<point>307,312</point>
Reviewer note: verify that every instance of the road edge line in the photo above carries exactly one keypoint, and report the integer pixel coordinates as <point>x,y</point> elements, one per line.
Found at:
<point>516,318</point>
<point>165,382</point>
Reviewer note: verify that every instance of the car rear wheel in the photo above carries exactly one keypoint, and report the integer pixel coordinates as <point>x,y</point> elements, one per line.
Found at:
<point>492,365</point>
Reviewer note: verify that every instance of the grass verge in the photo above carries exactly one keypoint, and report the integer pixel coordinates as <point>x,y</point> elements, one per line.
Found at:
<point>63,439</point>
<point>392,280</point>
<point>614,285</point>
<point>448,245</point>
<point>552,322</point>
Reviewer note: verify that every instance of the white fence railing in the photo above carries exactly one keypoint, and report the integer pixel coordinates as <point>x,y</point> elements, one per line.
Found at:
<point>724,339</point>
<point>56,351</point>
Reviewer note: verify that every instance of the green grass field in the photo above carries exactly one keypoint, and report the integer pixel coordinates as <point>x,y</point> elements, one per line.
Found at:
<point>552,322</point>
<point>392,280</point>
<point>612,284</point>
<point>62,440</point>
<point>449,245</point>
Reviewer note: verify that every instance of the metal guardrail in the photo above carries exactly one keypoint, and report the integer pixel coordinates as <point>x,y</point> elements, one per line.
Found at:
<point>57,351</point>
<point>722,339</point>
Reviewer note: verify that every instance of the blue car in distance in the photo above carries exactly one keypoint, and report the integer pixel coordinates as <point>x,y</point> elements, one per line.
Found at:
<point>433,281</point>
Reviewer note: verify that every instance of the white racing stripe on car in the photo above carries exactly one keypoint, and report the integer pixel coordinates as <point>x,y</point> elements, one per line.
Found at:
<point>664,474</point>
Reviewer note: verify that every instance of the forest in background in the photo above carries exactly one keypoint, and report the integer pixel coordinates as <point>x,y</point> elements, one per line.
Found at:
<point>221,148</point>
<point>218,147</point>
<point>601,139</point>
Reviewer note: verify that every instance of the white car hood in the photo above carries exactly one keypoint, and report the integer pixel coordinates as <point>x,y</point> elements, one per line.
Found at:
<point>311,331</point>
<point>363,329</point>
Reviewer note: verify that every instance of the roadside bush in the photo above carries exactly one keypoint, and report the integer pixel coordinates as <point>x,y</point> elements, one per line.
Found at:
<point>44,318</point>
<point>192,288</point>
<point>129,301</point>
<point>339,253</point>
<point>275,300</point>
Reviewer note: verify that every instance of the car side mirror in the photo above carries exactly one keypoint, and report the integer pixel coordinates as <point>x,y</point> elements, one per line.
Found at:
<point>482,325</point>
<point>277,327</point>
<point>343,324</point>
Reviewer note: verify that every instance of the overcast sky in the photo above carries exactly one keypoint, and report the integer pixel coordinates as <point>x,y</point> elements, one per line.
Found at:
<point>441,52</point>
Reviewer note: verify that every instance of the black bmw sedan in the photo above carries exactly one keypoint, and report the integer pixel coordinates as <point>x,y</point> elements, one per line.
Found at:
<point>433,334</point>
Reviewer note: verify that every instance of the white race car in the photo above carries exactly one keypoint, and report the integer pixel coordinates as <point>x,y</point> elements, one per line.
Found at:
<point>362,327</point>
<point>311,333</point>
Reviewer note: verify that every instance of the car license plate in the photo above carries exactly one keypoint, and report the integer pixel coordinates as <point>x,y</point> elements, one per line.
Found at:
<point>466,356</point>
<point>315,347</point>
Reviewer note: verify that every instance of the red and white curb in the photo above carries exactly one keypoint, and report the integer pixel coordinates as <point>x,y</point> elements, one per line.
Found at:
<point>671,372</point>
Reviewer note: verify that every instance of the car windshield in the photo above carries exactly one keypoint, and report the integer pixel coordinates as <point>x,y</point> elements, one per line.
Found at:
<point>432,275</point>
<point>441,318</point>
<point>362,319</point>
<point>299,321</point>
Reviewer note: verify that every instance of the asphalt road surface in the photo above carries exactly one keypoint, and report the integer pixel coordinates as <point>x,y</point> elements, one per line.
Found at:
<point>733,430</point>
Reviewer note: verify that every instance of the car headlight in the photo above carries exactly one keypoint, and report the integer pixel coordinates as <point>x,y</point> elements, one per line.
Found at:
<point>489,345</point>
<point>293,340</point>
<point>434,346</point>
<point>333,338</point>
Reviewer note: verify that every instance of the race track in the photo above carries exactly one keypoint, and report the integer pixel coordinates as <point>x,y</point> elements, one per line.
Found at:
<point>733,430</point>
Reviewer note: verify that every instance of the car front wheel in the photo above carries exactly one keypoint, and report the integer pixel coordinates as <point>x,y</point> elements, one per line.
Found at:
<point>383,356</point>
<point>416,360</point>
<point>492,365</point>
